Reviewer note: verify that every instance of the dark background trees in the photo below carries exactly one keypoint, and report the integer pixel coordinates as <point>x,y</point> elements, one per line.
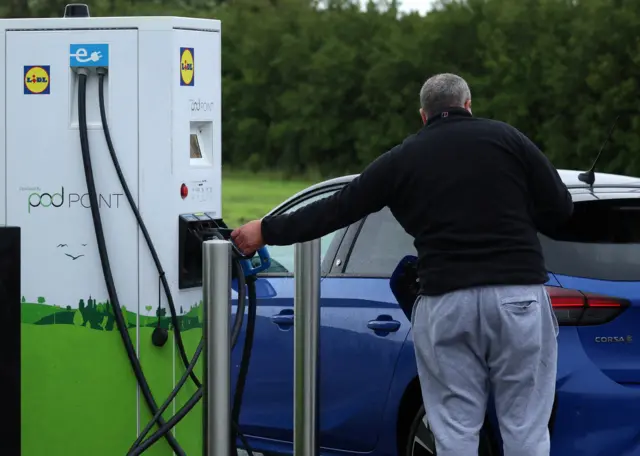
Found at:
<point>323,87</point>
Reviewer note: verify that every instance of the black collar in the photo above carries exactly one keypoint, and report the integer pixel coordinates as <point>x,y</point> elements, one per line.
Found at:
<point>450,112</point>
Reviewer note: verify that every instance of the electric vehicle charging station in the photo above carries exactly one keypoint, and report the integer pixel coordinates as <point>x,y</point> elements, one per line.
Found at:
<point>89,273</point>
<point>157,83</point>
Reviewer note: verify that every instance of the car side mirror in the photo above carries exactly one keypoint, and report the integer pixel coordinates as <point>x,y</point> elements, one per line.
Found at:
<point>405,284</point>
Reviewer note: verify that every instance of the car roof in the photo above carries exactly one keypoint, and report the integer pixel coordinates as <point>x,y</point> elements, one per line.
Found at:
<point>569,177</point>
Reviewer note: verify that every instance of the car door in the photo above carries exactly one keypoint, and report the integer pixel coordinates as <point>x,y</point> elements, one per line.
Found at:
<point>363,330</point>
<point>267,409</point>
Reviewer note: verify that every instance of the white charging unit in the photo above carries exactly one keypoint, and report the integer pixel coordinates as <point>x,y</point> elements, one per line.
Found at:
<point>163,99</point>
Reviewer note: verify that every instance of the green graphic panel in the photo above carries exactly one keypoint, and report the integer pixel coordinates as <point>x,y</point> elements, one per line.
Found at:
<point>78,392</point>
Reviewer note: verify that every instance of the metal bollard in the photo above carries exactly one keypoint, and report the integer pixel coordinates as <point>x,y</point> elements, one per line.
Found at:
<point>306,334</point>
<point>216,290</point>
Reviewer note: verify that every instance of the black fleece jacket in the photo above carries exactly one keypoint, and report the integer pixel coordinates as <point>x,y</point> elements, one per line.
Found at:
<point>472,192</point>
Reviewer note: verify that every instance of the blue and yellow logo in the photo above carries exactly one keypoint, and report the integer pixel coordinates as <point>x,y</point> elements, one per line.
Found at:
<point>187,68</point>
<point>37,80</point>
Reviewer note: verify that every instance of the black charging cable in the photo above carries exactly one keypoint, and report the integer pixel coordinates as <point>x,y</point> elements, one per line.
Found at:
<point>246,357</point>
<point>104,259</point>
<point>138,447</point>
<point>145,233</point>
<point>142,446</point>
<point>159,333</point>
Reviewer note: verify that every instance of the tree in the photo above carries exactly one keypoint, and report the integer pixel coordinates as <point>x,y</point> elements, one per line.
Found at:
<point>148,308</point>
<point>68,307</point>
<point>18,8</point>
<point>323,91</point>
<point>81,305</point>
<point>41,300</point>
<point>181,311</point>
<point>200,312</point>
<point>78,319</point>
<point>23,300</point>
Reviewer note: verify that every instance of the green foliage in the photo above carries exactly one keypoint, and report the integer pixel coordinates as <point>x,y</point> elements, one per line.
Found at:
<point>200,312</point>
<point>41,300</point>
<point>100,316</point>
<point>323,91</point>
<point>78,320</point>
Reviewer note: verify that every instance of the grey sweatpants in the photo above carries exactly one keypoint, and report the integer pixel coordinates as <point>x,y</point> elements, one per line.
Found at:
<point>473,341</point>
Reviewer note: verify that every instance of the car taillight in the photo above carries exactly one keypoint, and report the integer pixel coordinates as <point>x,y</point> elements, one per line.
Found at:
<point>574,308</point>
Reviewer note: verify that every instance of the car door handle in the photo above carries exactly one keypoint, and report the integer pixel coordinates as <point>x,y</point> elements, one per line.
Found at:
<point>284,318</point>
<point>384,323</point>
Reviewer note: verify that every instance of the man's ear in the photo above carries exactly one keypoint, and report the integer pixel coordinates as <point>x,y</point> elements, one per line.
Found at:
<point>467,105</point>
<point>423,115</point>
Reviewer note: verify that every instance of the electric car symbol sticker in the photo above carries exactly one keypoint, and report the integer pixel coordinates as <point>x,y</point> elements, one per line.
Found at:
<point>187,67</point>
<point>37,80</point>
<point>89,55</point>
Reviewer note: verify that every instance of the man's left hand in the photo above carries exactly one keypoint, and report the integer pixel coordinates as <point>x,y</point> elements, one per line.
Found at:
<point>248,237</point>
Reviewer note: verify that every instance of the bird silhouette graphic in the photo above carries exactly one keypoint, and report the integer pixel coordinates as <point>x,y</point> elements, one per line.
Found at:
<point>69,251</point>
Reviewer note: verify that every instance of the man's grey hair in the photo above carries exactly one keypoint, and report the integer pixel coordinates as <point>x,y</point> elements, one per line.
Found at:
<point>443,91</point>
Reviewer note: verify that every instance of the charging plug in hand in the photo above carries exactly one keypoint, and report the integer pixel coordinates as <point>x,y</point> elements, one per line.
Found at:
<point>248,237</point>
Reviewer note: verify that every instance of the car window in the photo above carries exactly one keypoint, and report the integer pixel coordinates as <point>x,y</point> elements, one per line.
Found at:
<point>282,256</point>
<point>600,241</point>
<point>381,244</point>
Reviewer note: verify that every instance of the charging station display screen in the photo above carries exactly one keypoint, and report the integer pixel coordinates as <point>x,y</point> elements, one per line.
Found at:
<point>195,147</point>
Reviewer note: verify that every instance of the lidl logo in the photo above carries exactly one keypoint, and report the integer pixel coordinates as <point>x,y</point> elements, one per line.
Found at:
<point>37,80</point>
<point>187,68</point>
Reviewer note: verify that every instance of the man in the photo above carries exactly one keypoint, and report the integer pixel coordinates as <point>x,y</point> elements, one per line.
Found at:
<point>473,193</point>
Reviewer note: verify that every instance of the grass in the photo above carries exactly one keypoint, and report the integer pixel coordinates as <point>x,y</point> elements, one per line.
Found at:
<point>247,196</point>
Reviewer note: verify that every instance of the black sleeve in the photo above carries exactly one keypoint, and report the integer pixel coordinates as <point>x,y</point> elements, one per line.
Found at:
<point>367,193</point>
<point>552,203</point>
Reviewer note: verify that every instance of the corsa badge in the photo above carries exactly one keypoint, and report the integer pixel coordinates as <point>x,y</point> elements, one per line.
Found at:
<point>37,80</point>
<point>187,67</point>
<point>614,340</point>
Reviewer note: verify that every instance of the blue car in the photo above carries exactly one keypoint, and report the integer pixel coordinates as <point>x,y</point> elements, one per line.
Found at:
<point>370,401</point>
